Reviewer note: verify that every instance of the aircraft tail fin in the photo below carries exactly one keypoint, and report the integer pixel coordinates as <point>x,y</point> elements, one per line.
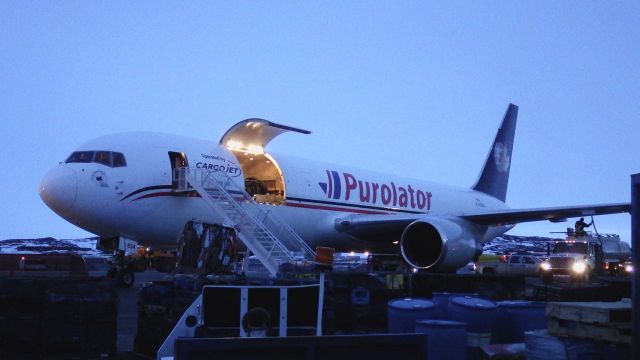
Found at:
<point>494,177</point>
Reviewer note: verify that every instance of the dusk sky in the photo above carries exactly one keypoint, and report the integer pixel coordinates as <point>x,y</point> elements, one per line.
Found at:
<point>416,89</point>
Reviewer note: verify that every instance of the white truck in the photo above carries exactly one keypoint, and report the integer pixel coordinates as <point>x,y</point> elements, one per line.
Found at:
<point>580,257</point>
<point>510,265</point>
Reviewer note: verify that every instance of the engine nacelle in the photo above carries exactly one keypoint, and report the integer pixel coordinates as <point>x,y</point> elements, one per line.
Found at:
<point>439,244</point>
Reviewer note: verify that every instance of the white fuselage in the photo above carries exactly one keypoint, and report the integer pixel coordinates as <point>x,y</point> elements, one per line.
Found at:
<point>137,201</point>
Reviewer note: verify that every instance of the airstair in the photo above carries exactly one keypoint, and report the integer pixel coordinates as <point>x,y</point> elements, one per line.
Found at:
<point>269,238</point>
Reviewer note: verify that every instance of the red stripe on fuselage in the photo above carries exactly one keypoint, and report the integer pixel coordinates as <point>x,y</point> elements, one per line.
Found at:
<point>178,194</point>
<point>335,208</point>
<point>290,204</point>
<point>157,195</point>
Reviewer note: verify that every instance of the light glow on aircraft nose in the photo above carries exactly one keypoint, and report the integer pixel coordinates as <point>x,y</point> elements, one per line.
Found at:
<point>58,189</point>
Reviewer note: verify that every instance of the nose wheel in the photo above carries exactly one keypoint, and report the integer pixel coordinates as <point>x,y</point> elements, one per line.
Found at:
<point>126,278</point>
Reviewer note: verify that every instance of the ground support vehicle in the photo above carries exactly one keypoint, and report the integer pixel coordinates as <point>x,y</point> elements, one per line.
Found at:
<point>515,265</point>
<point>582,256</point>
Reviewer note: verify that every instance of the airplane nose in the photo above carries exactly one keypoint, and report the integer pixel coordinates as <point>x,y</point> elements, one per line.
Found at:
<point>58,188</point>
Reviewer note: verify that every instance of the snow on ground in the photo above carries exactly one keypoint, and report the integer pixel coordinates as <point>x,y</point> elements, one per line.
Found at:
<point>523,244</point>
<point>86,247</point>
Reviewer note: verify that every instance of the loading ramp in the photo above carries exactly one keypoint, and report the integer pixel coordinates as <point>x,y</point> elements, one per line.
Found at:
<point>267,236</point>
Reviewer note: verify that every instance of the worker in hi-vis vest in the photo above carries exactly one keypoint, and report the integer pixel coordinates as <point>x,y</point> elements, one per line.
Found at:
<point>580,226</point>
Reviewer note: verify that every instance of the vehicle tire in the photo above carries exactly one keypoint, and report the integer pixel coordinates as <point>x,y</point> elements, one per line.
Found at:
<point>488,271</point>
<point>127,278</point>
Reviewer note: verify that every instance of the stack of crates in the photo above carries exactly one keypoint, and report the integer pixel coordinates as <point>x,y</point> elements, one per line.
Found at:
<point>155,316</point>
<point>80,317</point>
<point>162,303</point>
<point>160,306</point>
<point>359,300</point>
<point>20,310</point>
<point>74,317</point>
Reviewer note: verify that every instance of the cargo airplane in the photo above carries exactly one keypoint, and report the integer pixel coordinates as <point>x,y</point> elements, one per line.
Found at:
<point>122,185</point>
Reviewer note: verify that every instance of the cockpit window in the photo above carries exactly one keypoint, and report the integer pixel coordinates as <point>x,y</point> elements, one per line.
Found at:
<point>118,159</point>
<point>103,157</point>
<point>108,158</point>
<point>81,157</point>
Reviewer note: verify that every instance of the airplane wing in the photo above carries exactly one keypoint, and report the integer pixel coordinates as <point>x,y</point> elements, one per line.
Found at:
<point>554,214</point>
<point>381,226</point>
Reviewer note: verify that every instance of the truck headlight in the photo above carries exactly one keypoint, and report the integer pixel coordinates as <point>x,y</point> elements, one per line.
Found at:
<point>545,266</point>
<point>628,268</point>
<point>579,267</point>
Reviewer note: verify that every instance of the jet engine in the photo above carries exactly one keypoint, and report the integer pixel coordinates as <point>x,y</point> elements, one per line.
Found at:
<point>439,244</point>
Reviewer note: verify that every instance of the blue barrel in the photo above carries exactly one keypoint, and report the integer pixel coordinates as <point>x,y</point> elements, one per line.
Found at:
<point>479,315</point>
<point>442,302</point>
<point>403,313</point>
<point>513,318</point>
<point>445,339</point>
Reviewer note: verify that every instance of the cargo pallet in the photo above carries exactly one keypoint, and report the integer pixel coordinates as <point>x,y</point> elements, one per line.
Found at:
<point>602,289</point>
<point>603,321</point>
<point>57,318</point>
<point>354,302</point>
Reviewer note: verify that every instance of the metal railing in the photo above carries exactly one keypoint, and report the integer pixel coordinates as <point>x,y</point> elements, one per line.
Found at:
<point>264,232</point>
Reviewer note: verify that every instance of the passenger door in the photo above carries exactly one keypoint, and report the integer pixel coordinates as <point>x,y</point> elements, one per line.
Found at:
<point>177,160</point>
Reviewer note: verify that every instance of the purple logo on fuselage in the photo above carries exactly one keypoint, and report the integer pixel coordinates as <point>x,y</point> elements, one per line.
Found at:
<point>374,193</point>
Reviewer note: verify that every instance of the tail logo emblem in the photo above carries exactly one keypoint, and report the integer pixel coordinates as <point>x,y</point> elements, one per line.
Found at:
<point>501,157</point>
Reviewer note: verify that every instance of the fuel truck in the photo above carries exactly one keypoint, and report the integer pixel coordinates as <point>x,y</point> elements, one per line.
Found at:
<point>583,256</point>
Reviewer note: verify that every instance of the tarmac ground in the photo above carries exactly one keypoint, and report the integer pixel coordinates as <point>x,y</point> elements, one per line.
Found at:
<point>128,313</point>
